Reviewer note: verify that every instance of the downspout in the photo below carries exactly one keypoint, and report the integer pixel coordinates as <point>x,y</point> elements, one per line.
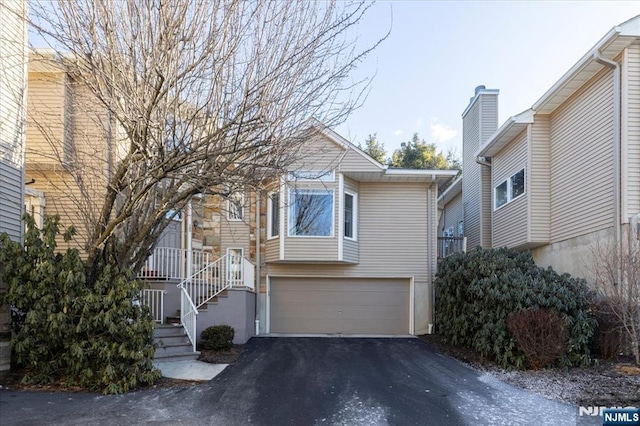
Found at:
<point>616,152</point>
<point>189,239</point>
<point>258,271</point>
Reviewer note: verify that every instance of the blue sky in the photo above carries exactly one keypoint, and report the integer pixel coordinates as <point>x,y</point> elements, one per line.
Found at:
<point>438,52</point>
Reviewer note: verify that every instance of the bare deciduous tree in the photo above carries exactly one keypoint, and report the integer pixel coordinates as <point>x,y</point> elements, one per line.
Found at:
<point>200,97</point>
<point>616,273</point>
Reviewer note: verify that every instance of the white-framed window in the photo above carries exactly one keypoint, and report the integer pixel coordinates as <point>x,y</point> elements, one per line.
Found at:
<point>313,175</point>
<point>460,229</point>
<point>235,206</point>
<point>311,213</point>
<point>509,189</point>
<point>234,265</point>
<point>273,215</point>
<point>350,215</point>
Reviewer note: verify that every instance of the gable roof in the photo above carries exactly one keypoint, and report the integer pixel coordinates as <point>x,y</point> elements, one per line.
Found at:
<point>609,47</point>
<point>378,172</point>
<point>509,130</point>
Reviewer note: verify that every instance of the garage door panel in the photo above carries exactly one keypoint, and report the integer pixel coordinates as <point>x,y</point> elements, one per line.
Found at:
<point>346,306</point>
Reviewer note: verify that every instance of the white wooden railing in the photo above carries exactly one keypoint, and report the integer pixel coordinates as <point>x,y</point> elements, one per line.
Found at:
<point>207,281</point>
<point>154,299</point>
<point>188,316</point>
<point>171,263</point>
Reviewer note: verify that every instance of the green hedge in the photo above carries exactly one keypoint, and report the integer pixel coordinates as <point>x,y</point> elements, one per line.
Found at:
<point>80,327</point>
<point>217,337</point>
<point>476,292</point>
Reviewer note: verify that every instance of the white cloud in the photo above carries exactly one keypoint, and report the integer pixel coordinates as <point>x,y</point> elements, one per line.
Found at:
<point>419,123</point>
<point>442,132</point>
<point>398,132</point>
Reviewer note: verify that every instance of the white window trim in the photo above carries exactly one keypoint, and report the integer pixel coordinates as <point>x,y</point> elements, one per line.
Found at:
<point>312,176</point>
<point>333,213</point>
<point>510,189</point>
<point>270,215</point>
<point>355,216</point>
<point>242,201</point>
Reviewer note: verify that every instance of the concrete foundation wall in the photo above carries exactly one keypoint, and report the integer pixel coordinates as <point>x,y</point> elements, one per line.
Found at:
<point>236,310</point>
<point>573,256</point>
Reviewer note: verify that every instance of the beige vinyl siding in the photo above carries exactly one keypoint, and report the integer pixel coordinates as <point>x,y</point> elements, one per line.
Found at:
<point>46,118</point>
<point>510,221</point>
<point>452,215</point>
<point>631,133</point>
<point>488,126</point>
<point>319,154</point>
<point>471,180</point>
<point>393,239</point>
<point>538,180</point>
<point>392,235</point>
<point>489,117</point>
<point>350,247</point>
<point>272,250</point>
<point>355,161</point>
<point>581,161</point>
<point>480,122</point>
<point>487,206</point>
<point>12,111</point>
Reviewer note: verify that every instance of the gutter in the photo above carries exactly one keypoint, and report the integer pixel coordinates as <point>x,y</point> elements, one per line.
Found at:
<point>485,161</point>
<point>616,149</point>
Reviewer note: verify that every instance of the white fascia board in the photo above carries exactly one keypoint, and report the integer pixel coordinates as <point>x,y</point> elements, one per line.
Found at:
<point>432,175</point>
<point>630,28</point>
<point>454,189</point>
<point>499,139</point>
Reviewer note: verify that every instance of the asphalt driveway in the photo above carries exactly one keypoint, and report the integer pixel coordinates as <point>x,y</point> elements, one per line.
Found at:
<point>309,381</point>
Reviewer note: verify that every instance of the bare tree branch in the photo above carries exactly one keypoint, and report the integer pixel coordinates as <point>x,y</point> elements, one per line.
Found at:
<point>199,96</point>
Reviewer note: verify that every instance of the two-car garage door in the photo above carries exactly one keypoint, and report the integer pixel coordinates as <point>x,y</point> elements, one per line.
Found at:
<point>340,305</point>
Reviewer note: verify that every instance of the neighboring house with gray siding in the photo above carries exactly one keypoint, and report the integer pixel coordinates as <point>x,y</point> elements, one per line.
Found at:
<point>565,174</point>
<point>13,45</point>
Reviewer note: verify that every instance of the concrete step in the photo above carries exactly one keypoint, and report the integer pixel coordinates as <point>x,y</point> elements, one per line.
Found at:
<point>177,357</point>
<point>172,344</point>
<point>172,340</point>
<point>168,330</point>
<point>174,348</point>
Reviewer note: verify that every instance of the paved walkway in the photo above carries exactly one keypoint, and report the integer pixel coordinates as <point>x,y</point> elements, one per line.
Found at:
<point>189,370</point>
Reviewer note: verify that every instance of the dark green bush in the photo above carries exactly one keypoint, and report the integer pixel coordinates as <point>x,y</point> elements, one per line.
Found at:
<point>476,292</point>
<point>217,337</point>
<point>78,331</point>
